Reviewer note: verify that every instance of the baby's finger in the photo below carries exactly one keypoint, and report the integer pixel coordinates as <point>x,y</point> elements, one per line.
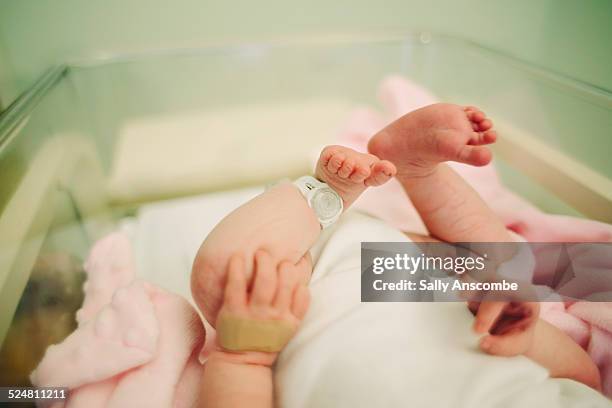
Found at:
<point>304,269</point>
<point>518,316</point>
<point>487,315</point>
<point>507,345</point>
<point>473,306</point>
<point>264,279</point>
<point>508,324</point>
<point>287,279</point>
<point>301,300</point>
<point>236,288</point>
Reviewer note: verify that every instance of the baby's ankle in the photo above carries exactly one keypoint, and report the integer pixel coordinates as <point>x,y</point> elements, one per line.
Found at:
<point>421,171</point>
<point>346,194</point>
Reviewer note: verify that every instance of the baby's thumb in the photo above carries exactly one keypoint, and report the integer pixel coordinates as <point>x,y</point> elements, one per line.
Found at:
<point>507,345</point>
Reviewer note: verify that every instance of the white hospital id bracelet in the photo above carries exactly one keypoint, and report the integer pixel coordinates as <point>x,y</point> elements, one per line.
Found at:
<point>324,201</point>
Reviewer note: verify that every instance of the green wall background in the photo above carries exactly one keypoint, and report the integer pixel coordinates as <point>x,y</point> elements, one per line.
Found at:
<point>570,37</point>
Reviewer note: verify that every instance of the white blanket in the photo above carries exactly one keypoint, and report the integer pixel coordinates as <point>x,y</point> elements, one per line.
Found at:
<point>353,354</point>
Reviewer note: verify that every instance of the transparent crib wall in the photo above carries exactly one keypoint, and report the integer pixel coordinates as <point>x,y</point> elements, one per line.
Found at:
<point>530,104</point>
<point>573,118</point>
<point>116,92</point>
<point>103,96</point>
<point>51,209</point>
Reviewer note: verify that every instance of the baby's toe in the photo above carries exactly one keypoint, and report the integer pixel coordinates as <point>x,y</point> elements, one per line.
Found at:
<point>474,114</point>
<point>489,137</point>
<point>475,155</point>
<point>382,171</point>
<point>485,125</point>
<point>326,155</point>
<point>360,173</point>
<point>347,168</point>
<point>335,163</point>
<point>483,138</point>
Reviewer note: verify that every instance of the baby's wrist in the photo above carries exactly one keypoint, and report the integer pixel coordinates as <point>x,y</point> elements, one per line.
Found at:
<point>243,357</point>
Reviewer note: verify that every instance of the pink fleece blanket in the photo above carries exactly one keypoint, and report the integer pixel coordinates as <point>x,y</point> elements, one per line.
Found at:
<point>136,345</point>
<point>588,323</point>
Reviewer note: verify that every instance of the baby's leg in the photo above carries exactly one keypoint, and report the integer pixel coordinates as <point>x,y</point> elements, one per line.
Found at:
<point>452,211</point>
<point>417,144</point>
<point>280,222</point>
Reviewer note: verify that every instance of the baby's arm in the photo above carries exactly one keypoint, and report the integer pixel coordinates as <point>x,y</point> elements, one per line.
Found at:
<point>279,295</point>
<point>514,328</point>
<point>562,356</point>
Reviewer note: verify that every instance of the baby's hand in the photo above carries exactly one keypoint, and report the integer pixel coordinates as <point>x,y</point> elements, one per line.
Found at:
<point>509,326</point>
<point>277,294</point>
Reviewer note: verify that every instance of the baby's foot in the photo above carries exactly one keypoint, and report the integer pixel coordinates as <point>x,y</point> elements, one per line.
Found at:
<point>349,172</point>
<point>420,140</point>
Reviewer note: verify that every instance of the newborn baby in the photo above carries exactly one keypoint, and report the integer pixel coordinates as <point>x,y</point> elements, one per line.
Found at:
<point>254,266</point>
